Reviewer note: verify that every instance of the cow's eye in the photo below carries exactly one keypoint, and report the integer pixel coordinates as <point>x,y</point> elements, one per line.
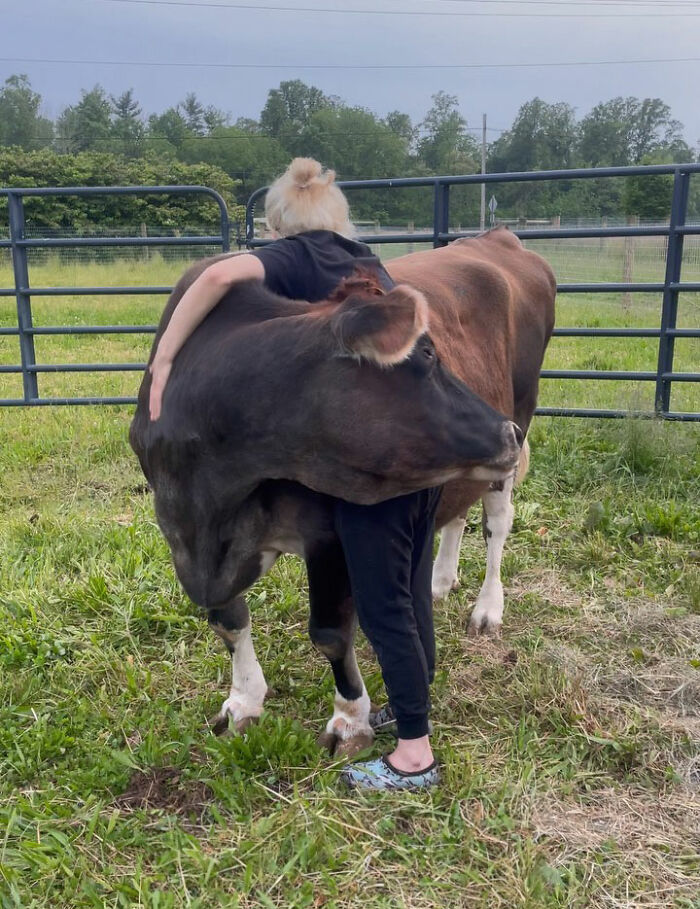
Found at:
<point>428,353</point>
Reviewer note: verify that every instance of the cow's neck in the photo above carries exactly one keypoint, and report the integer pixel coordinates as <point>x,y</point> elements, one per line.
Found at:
<point>299,519</point>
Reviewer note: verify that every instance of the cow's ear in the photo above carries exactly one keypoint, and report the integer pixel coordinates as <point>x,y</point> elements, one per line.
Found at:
<point>384,329</point>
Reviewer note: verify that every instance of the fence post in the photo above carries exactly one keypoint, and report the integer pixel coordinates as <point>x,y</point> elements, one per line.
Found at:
<point>669,308</point>
<point>410,229</point>
<point>144,233</point>
<point>225,229</point>
<point>441,212</point>
<point>20,267</point>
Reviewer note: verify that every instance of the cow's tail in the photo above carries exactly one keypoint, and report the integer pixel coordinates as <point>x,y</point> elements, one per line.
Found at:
<point>523,463</point>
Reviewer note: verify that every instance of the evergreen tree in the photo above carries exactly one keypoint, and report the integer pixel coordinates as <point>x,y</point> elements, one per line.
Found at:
<point>446,146</point>
<point>88,124</point>
<point>193,114</point>
<point>127,124</point>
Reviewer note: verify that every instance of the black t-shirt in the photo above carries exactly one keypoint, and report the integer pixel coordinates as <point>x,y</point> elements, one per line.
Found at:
<point>311,265</point>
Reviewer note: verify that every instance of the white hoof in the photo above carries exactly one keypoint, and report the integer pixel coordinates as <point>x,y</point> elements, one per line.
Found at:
<point>443,586</point>
<point>350,718</point>
<point>487,617</point>
<point>348,731</point>
<point>242,709</point>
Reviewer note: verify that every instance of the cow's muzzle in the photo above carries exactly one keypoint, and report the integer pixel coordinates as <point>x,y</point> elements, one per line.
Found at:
<point>507,461</point>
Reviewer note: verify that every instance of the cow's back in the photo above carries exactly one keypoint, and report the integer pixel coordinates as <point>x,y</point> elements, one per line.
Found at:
<point>491,316</point>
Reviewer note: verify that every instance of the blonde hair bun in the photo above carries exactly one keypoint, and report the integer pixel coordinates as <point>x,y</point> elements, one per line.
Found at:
<point>306,198</point>
<point>305,171</point>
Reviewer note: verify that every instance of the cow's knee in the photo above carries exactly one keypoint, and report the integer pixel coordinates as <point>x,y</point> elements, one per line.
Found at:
<point>333,643</point>
<point>229,621</point>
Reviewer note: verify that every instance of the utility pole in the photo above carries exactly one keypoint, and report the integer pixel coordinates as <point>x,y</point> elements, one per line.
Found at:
<point>482,220</point>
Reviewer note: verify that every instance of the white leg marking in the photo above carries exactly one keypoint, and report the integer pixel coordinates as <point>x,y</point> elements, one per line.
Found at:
<point>488,611</point>
<point>446,567</point>
<point>248,686</point>
<point>350,718</point>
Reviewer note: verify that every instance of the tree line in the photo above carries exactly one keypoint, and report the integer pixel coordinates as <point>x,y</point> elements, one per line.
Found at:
<point>107,138</point>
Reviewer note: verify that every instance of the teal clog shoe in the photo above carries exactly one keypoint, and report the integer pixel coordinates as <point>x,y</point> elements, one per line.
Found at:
<point>380,775</point>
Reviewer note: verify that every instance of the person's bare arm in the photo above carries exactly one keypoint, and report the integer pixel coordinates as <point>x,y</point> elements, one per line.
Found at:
<point>196,303</point>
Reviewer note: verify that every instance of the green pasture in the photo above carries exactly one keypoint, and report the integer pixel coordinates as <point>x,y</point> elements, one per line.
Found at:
<point>570,746</point>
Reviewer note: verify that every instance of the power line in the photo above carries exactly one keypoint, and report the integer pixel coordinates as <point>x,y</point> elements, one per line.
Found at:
<point>596,3</point>
<point>350,66</point>
<point>210,4</point>
<point>253,136</point>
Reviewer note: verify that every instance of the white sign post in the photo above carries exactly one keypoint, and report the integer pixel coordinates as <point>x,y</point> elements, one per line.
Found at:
<point>493,205</point>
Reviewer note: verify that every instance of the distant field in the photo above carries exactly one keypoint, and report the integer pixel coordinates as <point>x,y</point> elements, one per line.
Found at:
<point>571,262</point>
<point>570,747</point>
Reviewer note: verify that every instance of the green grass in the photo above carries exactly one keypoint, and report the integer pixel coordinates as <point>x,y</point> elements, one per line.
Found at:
<point>570,746</point>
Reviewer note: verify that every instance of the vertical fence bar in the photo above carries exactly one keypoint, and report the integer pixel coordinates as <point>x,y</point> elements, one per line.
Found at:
<point>225,229</point>
<point>24,302</point>
<point>669,308</point>
<point>441,212</point>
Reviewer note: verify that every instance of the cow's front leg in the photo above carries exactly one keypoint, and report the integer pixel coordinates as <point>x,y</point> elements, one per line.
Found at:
<point>496,522</point>
<point>248,687</point>
<point>446,567</point>
<point>332,626</point>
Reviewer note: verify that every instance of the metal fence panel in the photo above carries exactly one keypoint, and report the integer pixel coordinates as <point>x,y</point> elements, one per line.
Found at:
<point>439,235</point>
<point>19,243</point>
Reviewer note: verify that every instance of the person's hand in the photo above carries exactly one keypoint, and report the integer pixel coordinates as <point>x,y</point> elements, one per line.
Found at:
<point>160,370</point>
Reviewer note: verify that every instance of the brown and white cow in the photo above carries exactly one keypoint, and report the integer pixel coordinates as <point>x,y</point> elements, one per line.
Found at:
<point>273,406</point>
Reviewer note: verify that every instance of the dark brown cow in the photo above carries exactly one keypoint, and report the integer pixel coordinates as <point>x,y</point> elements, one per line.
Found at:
<point>273,405</point>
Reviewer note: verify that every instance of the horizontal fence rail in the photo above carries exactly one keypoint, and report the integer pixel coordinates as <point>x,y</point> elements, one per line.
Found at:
<point>670,288</point>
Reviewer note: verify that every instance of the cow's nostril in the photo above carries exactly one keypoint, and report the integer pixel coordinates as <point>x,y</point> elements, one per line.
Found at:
<point>518,434</point>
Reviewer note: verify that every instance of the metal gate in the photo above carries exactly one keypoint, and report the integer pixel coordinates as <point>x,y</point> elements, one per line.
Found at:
<point>25,330</point>
<point>670,288</point>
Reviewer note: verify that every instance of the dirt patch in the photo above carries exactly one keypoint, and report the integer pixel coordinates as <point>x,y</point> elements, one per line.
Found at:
<point>163,788</point>
<point>471,672</point>
<point>547,584</point>
<point>606,608</point>
<point>632,818</point>
<point>667,685</point>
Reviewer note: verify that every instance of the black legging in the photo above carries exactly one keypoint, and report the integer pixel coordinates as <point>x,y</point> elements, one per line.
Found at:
<point>389,553</point>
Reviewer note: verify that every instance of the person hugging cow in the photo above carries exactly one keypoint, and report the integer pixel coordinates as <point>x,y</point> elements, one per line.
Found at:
<point>388,546</point>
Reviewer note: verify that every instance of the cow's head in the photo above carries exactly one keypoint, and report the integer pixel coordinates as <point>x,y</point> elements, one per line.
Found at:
<point>390,399</point>
<point>347,398</point>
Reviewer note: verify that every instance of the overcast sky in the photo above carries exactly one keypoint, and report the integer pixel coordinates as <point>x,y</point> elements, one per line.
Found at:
<point>161,31</point>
